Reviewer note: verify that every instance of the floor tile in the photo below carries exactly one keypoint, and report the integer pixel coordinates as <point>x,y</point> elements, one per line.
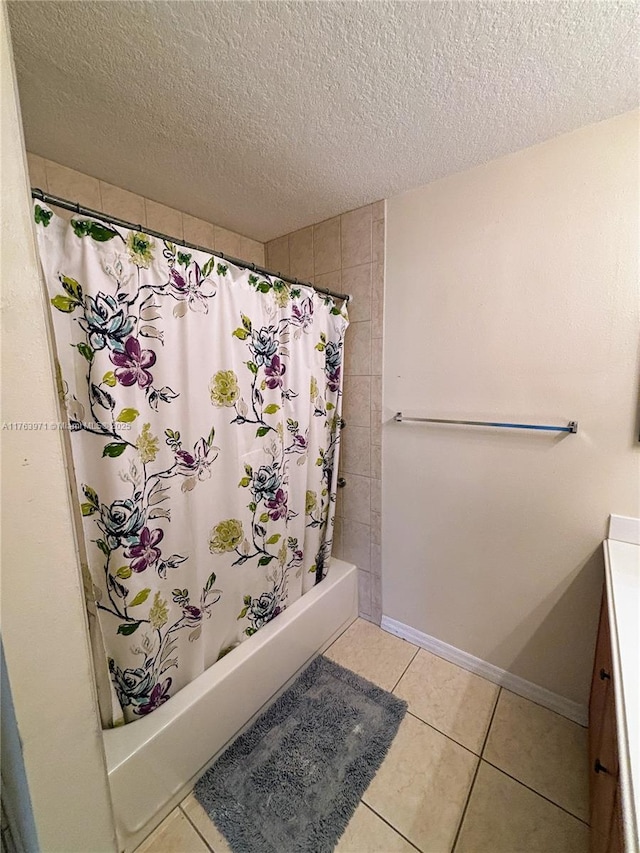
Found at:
<point>458,703</point>
<point>422,786</point>
<point>372,653</point>
<point>505,817</point>
<point>205,826</point>
<point>543,750</point>
<point>174,835</point>
<point>367,833</point>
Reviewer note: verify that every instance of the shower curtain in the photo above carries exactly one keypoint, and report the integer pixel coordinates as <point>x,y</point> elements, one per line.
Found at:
<point>203,404</point>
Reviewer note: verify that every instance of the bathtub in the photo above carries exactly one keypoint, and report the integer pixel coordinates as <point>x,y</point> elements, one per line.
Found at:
<point>154,762</point>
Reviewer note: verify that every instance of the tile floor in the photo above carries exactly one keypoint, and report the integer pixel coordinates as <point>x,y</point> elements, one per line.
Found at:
<point>473,769</point>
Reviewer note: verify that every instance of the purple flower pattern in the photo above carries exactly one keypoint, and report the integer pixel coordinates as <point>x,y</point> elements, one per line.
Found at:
<point>115,329</point>
<point>145,554</point>
<point>132,363</point>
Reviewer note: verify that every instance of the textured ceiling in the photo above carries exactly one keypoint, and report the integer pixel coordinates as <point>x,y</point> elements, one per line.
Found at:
<point>267,116</point>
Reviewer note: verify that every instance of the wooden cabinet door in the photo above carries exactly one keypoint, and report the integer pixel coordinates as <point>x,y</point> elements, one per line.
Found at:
<point>616,839</point>
<point>601,682</point>
<point>603,750</point>
<point>604,780</point>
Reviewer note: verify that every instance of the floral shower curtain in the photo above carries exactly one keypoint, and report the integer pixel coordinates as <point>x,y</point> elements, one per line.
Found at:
<point>204,408</point>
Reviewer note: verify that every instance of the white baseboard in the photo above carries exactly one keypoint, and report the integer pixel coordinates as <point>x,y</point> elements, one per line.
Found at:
<point>527,689</point>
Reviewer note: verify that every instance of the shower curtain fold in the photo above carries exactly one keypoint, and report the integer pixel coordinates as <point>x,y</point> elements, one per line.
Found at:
<point>204,407</point>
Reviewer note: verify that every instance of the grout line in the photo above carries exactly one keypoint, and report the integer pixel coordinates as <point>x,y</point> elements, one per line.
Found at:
<point>444,734</point>
<point>533,791</point>
<point>342,634</point>
<point>475,776</point>
<point>536,702</point>
<point>395,829</point>
<point>520,782</point>
<point>406,667</point>
<point>493,713</point>
<point>192,824</point>
<point>466,806</point>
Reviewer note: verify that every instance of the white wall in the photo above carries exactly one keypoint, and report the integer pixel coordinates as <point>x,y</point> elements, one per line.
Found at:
<point>43,619</point>
<point>512,294</point>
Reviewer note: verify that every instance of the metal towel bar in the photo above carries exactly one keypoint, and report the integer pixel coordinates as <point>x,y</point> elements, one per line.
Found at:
<point>572,426</point>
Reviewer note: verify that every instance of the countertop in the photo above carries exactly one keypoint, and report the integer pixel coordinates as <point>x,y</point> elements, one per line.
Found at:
<point>622,561</point>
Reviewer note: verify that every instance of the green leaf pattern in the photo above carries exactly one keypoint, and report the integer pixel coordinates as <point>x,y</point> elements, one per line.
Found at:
<point>196,444</point>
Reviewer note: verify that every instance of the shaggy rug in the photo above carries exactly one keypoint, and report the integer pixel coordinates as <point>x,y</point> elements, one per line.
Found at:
<point>292,781</point>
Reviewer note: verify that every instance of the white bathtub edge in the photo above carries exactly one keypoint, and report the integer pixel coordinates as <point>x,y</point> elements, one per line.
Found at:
<point>172,747</point>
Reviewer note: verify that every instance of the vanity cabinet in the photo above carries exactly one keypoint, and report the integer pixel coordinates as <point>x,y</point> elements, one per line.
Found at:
<point>606,836</point>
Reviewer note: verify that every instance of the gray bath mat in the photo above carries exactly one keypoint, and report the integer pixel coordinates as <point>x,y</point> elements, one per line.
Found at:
<point>292,781</point>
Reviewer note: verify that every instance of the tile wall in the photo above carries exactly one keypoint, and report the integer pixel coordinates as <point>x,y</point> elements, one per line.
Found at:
<point>90,192</point>
<point>346,254</point>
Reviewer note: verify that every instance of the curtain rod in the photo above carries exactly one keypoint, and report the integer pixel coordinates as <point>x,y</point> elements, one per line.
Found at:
<point>64,203</point>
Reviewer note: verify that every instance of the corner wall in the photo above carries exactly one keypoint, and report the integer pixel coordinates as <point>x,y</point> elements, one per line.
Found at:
<point>512,295</point>
<point>44,631</point>
<point>346,254</point>
<point>90,192</point>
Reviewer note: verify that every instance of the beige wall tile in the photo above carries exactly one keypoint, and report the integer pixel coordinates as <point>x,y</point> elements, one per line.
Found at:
<point>356,237</point>
<point>357,499</point>
<point>198,231</point>
<point>376,495</point>
<point>174,833</point>
<point>238,246</point>
<point>337,548</point>
<point>122,204</point>
<point>377,279</point>
<point>377,210</point>
<point>164,219</point>
<point>376,391</point>
<point>376,406</point>
<point>326,246</point>
<point>378,242</point>
<point>227,242</point>
<point>456,702</point>
<point>376,462</point>
<point>358,350</point>
<point>559,770</point>
<point>277,252</point>
<point>372,653</point>
<point>355,451</point>
<point>504,816</point>
<point>356,281</point>
<point>376,432</point>
<point>377,325</point>
<point>252,251</point>
<point>376,561</point>
<point>72,185</point>
<point>364,593</point>
<point>330,281</point>
<point>376,356</point>
<point>37,171</point>
<point>422,786</point>
<point>356,543</point>
<point>356,400</point>
<point>376,590</point>
<point>376,528</point>
<point>301,254</point>
<point>377,319</point>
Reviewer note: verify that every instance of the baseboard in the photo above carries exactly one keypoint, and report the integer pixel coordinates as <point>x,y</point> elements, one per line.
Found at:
<point>527,689</point>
